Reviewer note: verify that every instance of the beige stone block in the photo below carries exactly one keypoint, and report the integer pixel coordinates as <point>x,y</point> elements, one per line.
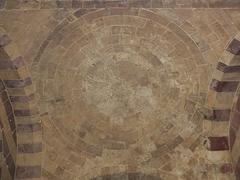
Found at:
<point>231,77</point>
<point>220,100</point>
<point>154,17</point>
<point>29,159</point>
<point>211,98</point>
<point>21,73</point>
<point>188,27</point>
<point>28,138</point>
<point>28,119</point>
<point>218,156</point>
<point>114,20</point>
<point>214,128</point>
<point>96,14</point>
<point>12,50</point>
<point>69,39</point>
<point>85,40</point>
<point>218,75</point>
<point>124,11</point>
<point>27,105</point>
<point>227,57</point>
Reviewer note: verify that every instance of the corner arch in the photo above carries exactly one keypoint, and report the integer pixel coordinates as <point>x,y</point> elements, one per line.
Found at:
<point>23,159</point>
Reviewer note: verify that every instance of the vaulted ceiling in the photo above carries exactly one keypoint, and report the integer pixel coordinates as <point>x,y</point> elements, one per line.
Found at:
<point>120,90</point>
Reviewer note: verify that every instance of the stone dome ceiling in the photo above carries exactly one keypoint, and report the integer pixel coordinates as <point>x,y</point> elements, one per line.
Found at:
<point>127,88</point>
<point>121,93</point>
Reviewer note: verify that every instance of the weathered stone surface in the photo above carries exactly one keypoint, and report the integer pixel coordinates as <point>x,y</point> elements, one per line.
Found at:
<point>30,148</point>
<point>24,172</point>
<point>120,89</point>
<point>224,86</point>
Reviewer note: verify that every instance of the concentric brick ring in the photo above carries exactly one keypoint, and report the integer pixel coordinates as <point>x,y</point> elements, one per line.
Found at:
<point>119,84</point>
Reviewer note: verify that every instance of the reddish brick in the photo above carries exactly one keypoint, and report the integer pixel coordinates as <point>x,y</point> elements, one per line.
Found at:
<point>227,69</point>
<point>30,148</point>
<point>24,172</point>
<point>29,128</point>
<point>226,168</point>
<point>234,47</point>
<point>25,112</point>
<point>21,83</point>
<point>218,143</point>
<point>224,86</point>
<point>22,99</point>
<point>221,115</point>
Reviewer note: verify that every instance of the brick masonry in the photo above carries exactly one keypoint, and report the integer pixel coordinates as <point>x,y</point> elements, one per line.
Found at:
<point>220,143</point>
<point>74,4</point>
<point>163,59</point>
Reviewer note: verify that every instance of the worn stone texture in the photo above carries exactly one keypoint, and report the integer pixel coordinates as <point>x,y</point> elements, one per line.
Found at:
<point>121,91</point>
<point>50,4</point>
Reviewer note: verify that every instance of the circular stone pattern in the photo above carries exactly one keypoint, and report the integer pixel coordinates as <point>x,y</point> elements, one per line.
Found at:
<point>121,99</point>
<point>116,91</point>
